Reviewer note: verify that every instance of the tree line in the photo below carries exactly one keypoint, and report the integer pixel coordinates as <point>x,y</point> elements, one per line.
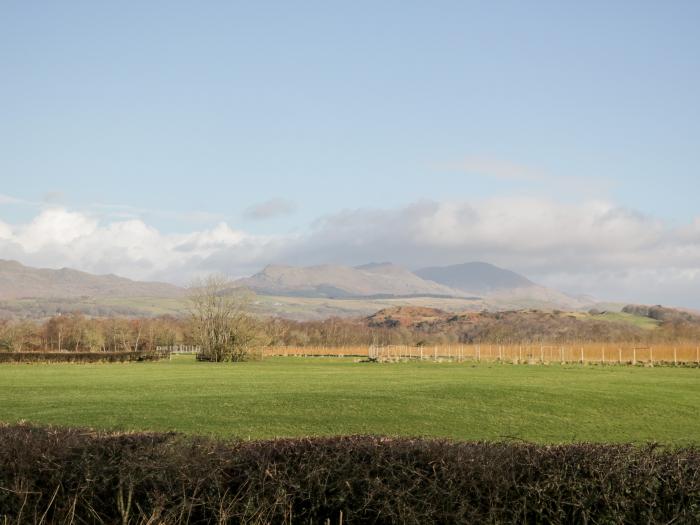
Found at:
<point>76,332</point>
<point>221,325</point>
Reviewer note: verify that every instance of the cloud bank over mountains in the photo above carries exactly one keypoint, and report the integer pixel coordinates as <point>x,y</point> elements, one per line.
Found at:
<point>592,247</point>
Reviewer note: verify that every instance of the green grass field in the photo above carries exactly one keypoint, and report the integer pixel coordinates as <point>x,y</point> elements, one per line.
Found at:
<point>621,317</point>
<point>298,397</point>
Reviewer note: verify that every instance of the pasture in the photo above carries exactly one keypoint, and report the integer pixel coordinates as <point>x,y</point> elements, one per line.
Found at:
<point>327,396</point>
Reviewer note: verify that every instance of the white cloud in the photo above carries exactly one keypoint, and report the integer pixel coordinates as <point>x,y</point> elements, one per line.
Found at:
<point>5,231</point>
<point>269,209</point>
<point>58,237</point>
<point>53,197</point>
<point>593,247</point>
<point>55,227</point>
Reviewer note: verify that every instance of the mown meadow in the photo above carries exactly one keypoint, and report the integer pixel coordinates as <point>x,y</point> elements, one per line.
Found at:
<point>288,397</point>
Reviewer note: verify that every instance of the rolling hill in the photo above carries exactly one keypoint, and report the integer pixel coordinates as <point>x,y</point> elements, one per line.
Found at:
<point>334,281</point>
<point>19,282</point>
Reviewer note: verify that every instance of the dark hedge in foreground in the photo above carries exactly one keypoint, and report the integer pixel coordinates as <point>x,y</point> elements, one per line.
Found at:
<point>52,475</point>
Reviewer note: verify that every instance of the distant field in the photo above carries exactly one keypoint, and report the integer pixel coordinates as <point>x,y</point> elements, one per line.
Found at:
<point>299,308</point>
<point>621,317</point>
<point>324,396</point>
<point>104,306</point>
<point>303,308</point>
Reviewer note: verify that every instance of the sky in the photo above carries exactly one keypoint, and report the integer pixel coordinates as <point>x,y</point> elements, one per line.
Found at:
<point>165,140</point>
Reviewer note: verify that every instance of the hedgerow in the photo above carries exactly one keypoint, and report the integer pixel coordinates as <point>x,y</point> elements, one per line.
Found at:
<point>79,357</point>
<point>54,475</point>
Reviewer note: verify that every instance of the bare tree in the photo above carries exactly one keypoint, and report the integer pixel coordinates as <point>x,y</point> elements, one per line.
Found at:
<point>221,324</point>
<point>18,335</point>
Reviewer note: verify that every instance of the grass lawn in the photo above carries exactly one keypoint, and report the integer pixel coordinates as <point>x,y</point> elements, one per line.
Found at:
<point>298,397</point>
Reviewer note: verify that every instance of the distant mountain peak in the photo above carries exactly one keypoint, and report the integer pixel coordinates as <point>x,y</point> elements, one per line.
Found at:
<point>274,268</point>
<point>8,263</point>
<point>386,268</point>
<point>369,280</point>
<point>375,265</point>
<point>475,277</point>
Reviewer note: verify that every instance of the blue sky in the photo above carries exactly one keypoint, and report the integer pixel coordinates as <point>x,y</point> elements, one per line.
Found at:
<point>186,115</point>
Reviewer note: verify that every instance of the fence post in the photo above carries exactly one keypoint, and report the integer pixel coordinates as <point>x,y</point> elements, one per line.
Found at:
<point>435,353</point>
<point>582,359</point>
<point>651,355</point>
<point>634,355</point>
<point>603,356</point>
<point>675,358</point>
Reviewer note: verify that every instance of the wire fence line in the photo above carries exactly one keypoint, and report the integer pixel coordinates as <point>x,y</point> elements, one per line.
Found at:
<point>627,353</point>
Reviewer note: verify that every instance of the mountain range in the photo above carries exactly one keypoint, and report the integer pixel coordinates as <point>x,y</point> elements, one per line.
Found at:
<point>300,292</point>
<point>18,282</point>
<point>474,281</point>
<point>342,282</point>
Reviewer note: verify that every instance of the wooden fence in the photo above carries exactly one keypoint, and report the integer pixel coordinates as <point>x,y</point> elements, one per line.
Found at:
<point>628,353</point>
<point>180,349</point>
